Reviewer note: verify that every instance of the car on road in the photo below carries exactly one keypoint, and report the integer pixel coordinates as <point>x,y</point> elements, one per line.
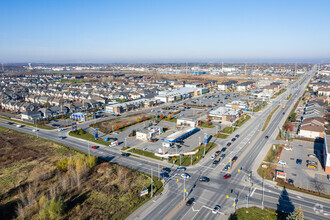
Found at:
<point>311,155</point>
<point>166,169</point>
<point>212,157</point>
<point>223,149</point>
<point>234,158</point>
<point>95,147</point>
<point>266,136</point>
<point>215,162</point>
<point>185,176</point>
<point>204,179</point>
<point>233,139</point>
<point>313,166</point>
<point>217,153</point>
<point>19,126</point>
<point>190,202</point>
<point>228,144</point>
<point>125,154</point>
<point>237,135</point>
<point>287,148</point>
<point>181,169</point>
<point>164,175</point>
<point>227,176</point>
<point>282,162</point>
<point>298,161</point>
<point>216,209</point>
<point>62,137</point>
<point>35,130</point>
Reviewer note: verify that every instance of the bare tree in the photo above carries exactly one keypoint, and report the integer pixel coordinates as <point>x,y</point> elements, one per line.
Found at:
<point>319,187</point>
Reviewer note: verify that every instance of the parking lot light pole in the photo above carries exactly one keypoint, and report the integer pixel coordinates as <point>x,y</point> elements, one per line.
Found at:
<point>125,142</point>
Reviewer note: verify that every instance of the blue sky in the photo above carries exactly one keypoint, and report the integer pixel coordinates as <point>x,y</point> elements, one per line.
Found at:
<point>163,30</point>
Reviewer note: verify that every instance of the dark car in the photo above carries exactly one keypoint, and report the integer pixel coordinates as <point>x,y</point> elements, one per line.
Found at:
<point>267,137</point>
<point>234,158</point>
<point>223,149</point>
<point>217,153</point>
<point>166,169</point>
<point>226,176</point>
<point>204,179</point>
<point>181,169</point>
<point>237,135</point>
<point>233,139</point>
<point>164,175</point>
<point>228,144</point>
<point>298,161</point>
<point>215,162</point>
<point>291,181</point>
<point>125,154</point>
<point>190,201</point>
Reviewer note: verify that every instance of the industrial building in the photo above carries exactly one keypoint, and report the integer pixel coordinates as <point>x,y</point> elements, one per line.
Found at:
<point>179,135</point>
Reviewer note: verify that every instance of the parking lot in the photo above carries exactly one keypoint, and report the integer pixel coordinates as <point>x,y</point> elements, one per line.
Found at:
<point>304,177</point>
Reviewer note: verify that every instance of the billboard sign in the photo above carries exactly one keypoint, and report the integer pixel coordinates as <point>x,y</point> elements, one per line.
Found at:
<point>144,192</point>
<point>280,174</point>
<point>96,133</point>
<point>74,127</point>
<point>206,138</point>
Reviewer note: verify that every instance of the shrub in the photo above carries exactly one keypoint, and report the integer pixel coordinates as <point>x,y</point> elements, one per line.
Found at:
<point>63,164</point>
<point>138,119</point>
<point>169,117</point>
<point>116,126</point>
<point>53,209</point>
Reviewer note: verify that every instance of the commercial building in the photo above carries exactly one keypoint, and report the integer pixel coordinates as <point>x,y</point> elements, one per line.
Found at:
<point>227,85</point>
<point>147,134</point>
<point>242,87</point>
<point>187,122</point>
<point>224,114</point>
<point>130,105</point>
<point>81,116</point>
<point>237,105</point>
<point>179,135</point>
<point>179,94</point>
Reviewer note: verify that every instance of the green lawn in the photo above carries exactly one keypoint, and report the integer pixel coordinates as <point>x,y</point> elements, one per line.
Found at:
<point>144,153</point>
<point>207,126</point>
<point>268,118</point>
<point>88,136</point>
<point>254,213</point>
<point>186,160</point>
<point>169,120</point>
<point>222,136</point>
<point>241,122</point>
<point>278,93</point>
<point>259,107</point>
<point>228,130</point>
<point>30,124</point>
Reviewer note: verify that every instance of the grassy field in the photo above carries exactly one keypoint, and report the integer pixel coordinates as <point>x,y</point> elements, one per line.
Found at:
<point>207,126</point>
<point>88,137</point>
<point>222,136</point>
<point>269,118</point>
<point>278,93</point>
<point>27,123</point>
<point>228,130</point>
<point>259,107</point>
<point>254,213</point>
<point>271,162</point>
<point>36,174</point>
<point>144,153</point>
<point>187,160</point>
<point>241,122</point>
<point>121,123</point>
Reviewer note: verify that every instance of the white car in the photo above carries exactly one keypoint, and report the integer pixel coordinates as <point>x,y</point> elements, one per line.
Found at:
<point>282,162</point>
<point>311,155</point>
<point>212,157</point>
<point>185,176</point>
<point>287,148</point>
<point>19,126</point>
<point>35,130</point>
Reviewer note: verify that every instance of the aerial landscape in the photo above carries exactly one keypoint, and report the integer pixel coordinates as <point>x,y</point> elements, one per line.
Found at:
<point>164,110</point>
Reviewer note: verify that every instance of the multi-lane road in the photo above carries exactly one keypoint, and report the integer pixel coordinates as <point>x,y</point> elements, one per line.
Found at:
<point>242,191</point>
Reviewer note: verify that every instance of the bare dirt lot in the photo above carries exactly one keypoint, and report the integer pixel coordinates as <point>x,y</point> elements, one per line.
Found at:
<point>40,179</point>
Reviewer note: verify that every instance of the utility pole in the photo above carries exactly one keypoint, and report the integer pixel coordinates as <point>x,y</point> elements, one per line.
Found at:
<point>262,204</point>
<point>89,153</point>
<point>184,188</point>
<point>151,183</point>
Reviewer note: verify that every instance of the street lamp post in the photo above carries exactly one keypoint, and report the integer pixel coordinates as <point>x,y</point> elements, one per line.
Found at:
<point>262,203</point>
<point>89,153</point>
<point>125,142</point>
<point>184,189</point>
